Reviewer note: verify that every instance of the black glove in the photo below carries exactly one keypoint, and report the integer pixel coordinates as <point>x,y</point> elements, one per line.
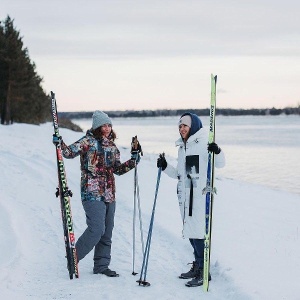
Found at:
<point>213,147</point>
<point>56,139</point>
<point>161,162</point>
<point>136,149</point>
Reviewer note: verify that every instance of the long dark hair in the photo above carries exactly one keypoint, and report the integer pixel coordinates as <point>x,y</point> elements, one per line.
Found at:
<point>98,135</point>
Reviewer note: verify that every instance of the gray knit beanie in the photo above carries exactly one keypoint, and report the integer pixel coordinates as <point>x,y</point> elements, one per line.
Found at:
<point>100,118</point>
<point>186,120</point>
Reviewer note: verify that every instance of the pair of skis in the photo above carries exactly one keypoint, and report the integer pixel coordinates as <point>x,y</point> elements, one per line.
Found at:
<point>64,194</point>
<point>209,190</point>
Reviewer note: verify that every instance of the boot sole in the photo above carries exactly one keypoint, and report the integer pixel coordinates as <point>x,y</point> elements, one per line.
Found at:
<point>116,275</point>
<point>190,285</point>
<point>184,277</point>
<point>108,275</point>
<point>195,285</point>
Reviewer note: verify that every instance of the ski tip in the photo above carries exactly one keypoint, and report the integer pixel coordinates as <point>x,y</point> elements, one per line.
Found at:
<point>52,94</point>
<point>214,77</point>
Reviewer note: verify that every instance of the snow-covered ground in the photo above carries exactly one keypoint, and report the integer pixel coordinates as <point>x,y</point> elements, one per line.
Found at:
<point>256,238</point>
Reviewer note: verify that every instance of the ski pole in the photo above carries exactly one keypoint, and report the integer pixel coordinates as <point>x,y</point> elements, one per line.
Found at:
<point>133,224</point>
<point>136,198</point>
<point>142,281</point>
<point>138,201</point>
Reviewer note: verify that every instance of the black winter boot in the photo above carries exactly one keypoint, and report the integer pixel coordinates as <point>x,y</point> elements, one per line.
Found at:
<point>191,273</point>
<point>198,280</point>
<point>108,272</point>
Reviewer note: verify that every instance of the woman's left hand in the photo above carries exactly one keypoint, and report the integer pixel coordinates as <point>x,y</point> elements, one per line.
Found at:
<point>213,147</point>
<point>136,149</point>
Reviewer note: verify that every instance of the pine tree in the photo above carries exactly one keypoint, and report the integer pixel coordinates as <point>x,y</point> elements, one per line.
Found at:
<point>22,97</point>
<point>3,74</point>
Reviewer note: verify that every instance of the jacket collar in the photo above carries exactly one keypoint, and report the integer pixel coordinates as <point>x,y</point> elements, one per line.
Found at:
<point>197,136</point>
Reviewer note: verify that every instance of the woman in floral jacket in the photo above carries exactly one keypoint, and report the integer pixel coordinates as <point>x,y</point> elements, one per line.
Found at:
<point>100,160</point>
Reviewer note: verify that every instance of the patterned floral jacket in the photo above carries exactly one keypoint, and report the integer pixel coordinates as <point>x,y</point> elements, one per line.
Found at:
<point>100,160</point>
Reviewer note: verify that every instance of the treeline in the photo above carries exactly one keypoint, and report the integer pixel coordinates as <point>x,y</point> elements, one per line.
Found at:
<point>22,99</point>
<point>178,112</point>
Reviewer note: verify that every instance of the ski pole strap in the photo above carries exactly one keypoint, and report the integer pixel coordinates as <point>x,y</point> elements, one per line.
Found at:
<point>136,146</point>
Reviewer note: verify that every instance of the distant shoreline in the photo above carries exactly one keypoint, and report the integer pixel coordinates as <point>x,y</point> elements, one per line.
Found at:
<point>176,112</point>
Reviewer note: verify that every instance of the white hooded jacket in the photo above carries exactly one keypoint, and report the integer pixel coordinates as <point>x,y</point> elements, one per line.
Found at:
<point>191,172</point>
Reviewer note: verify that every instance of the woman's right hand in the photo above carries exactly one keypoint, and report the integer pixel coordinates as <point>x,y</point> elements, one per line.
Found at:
<point>56,140</point>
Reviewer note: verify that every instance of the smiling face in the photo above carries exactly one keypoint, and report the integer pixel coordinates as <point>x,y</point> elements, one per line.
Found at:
<point>184,131</point>
<point>106,130</point>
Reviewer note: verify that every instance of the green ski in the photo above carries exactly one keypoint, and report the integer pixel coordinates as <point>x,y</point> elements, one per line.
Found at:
<point>64,194</point>
<point>209,190</point>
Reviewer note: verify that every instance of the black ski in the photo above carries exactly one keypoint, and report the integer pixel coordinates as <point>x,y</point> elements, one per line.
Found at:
<point>64,193</point>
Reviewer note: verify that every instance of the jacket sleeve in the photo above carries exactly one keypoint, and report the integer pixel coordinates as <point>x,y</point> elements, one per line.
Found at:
<point>74,149</point>
<point>220,160</point>
<point>122,168</point>
<point>171,171</point>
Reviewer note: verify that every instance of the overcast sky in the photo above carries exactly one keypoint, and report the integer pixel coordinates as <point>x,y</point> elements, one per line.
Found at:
<point>158,54</point>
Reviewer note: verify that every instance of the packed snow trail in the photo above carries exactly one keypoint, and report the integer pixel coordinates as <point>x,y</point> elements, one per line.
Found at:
<point>255,237</point>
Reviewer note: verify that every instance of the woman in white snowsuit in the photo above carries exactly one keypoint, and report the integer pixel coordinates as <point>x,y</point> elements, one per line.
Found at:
<point>191,173</point>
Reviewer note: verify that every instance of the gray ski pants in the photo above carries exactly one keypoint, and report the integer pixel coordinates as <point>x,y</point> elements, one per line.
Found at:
<point>98,234</point>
